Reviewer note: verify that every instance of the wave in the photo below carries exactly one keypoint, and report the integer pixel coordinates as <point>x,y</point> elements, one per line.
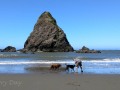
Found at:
<point>104,60</point>
<point>34,62</point>
<point>59,61</point>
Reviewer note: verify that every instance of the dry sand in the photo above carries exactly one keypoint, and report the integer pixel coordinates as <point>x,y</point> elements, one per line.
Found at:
<point>55,81</point>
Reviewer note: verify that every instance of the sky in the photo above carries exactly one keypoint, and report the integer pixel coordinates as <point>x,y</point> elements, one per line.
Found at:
<point>91,23</point>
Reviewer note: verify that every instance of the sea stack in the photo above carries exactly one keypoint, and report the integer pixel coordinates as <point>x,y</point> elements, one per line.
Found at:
<point>47,36</point>
<point>9,49</point>
<point>87,50</point>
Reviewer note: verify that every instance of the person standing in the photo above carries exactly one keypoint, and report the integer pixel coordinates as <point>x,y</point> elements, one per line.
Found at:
<point>78,64</point>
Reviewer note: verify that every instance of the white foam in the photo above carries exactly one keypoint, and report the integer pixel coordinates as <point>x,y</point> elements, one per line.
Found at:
<point>116,60</point>
<point>104,60</point>
<point>33,62</point>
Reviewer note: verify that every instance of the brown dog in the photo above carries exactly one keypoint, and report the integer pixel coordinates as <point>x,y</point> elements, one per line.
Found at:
<point>55,66</point>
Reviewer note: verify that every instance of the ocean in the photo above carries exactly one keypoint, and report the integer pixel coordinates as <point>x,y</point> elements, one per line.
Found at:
<point>107,62</point>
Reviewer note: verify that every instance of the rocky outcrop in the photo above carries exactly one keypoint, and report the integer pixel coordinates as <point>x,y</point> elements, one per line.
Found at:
<point>0,50</point>
<point>47,36</point>
<point>87,50</point>
<point>9,49</point>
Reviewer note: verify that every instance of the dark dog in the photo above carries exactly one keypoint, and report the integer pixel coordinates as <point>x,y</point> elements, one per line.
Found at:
<point>69,67</point>
<point>55,66</point>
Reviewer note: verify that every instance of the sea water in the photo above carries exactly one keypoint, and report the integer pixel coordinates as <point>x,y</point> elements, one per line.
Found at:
<point>107,62</point>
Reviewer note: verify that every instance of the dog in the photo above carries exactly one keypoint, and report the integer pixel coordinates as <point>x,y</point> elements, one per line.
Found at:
<point>69,67</point>
<point>55,66</point>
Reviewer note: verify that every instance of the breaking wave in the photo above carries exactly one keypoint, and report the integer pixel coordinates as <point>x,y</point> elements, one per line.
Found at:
<point>116,60</point>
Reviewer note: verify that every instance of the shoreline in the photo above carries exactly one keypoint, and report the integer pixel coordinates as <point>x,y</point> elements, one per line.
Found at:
<point>46,70</point>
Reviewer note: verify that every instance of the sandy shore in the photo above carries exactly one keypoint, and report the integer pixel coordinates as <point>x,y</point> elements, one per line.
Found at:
<point>55,81</point>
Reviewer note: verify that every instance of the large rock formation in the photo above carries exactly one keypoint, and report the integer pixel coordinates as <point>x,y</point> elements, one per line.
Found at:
<point>87,50</point>
<point>47,36</point>
<point>9,49</point>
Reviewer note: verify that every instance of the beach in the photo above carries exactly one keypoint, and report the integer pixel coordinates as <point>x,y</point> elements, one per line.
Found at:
<point>20,71</point>
<point>60,45</point>
<point>55,81</point>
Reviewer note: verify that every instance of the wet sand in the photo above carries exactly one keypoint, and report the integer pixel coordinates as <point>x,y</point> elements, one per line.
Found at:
<point>56,81</point>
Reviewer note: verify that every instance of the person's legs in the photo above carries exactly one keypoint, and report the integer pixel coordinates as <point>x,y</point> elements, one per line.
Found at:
<point>81,68</point>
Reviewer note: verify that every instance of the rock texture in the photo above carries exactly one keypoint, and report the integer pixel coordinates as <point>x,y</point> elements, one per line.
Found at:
<point>87,50</point>
<point>47,36</point>
<point>0,50</point>
<point>9,49</point>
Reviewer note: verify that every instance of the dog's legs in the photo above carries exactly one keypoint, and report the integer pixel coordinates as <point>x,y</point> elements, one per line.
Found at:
<point>73,70</point>
<point>67,69</point>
